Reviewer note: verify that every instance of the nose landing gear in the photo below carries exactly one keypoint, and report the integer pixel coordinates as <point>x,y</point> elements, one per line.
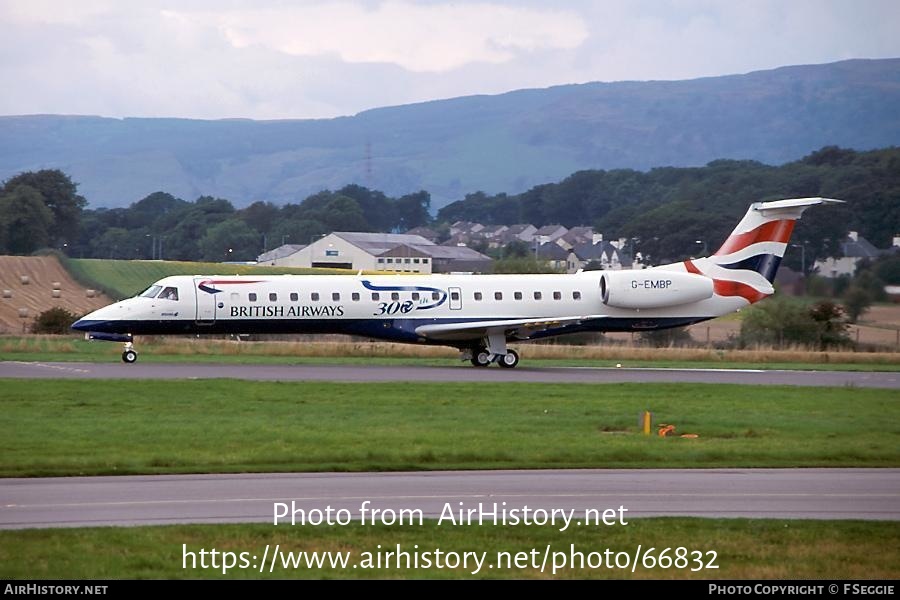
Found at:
<point>129,355</point>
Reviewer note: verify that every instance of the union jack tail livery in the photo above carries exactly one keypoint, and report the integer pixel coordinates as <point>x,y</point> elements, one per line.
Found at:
<point>746,263</point>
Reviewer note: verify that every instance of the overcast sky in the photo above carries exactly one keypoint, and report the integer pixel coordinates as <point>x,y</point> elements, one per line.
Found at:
<point>270,59</point>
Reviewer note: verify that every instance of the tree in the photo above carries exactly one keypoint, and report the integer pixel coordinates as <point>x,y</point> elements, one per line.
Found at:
<point>261,216</point>
<point>117,242</point>
<point>781,321</point>
<point>522,265</point>
<point>778,321</point>
<point>857,300</point>
<point>188,226</point>
<point>297,231</point>
<point>831,324</point>
<point>25,220</point>
<point>230,240</point>
<point>412,211</point>
<point>58,194</point>
<point>55,321</point>
<point>517,249</point>
<point>148,211</point>
<point>888,270</point>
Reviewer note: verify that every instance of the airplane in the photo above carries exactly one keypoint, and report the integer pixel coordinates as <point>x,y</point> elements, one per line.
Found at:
<point>477,314</point>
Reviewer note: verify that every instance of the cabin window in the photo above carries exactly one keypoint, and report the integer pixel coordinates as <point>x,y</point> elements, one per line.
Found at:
<point>477,295</point>
<point>251,296</point>
<point>435,295</point>
<point>151,291</point>
<point>454,296</point>
<point>576,295</point>
<point>415,296</point>
<point>294,296</point>
<point>381,261</point>
<point>406,260</point>
<point>336,296</point>
<point>314,296</point>
<point>424,261</point>
<point>557,295</point>
<point>355,296</point>
<point>273,297</point>
<point>517,295</point>
<point>395,296</point>
<point>375,296</point>
<point>170,293</point>
<point>415,261</point>
<point>390,260</point>
<point>537,295</point>
<point>498,295</point>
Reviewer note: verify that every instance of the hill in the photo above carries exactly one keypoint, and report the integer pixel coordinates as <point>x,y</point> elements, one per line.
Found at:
<point>42,273</point>
<point>504,143</point>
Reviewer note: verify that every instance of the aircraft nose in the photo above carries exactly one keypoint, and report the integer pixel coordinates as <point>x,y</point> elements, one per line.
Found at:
<point>91,322</point>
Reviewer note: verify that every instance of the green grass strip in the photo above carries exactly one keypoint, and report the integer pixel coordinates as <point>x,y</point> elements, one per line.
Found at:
<point>743,549</point>
<point>70,427</point>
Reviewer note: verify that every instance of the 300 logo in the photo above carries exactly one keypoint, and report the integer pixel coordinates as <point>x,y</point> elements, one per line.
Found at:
<point>392,308</point>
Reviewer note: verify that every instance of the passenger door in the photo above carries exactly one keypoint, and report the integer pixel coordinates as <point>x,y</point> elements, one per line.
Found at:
<point>206,301</point>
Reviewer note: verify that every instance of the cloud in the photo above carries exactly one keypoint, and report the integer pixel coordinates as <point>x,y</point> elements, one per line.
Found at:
<point>419,38</point>
<point>270,59</point>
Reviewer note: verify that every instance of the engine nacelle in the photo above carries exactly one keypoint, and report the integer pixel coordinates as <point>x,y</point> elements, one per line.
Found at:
<point>652,288</point>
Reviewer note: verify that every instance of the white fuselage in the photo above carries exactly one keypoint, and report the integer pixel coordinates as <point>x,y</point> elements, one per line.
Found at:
<point>392,306</point>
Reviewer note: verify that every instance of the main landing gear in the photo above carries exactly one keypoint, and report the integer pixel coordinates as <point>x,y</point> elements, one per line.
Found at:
<point>492,349</point>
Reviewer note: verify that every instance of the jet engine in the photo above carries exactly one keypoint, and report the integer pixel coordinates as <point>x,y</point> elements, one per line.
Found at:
<point>652,288</point>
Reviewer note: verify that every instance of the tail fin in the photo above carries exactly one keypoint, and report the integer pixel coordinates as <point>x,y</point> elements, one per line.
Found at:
<point>746,263</point>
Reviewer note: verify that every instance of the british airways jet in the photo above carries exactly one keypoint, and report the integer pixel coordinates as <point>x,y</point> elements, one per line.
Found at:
<point>477,314</point>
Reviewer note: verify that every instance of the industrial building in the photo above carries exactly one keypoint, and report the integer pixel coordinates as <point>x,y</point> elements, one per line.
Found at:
<point>378,252</point>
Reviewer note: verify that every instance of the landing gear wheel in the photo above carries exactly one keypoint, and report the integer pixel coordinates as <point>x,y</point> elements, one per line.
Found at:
<point>509,360</point>
<point>129,356</point>
<point>481,358</point>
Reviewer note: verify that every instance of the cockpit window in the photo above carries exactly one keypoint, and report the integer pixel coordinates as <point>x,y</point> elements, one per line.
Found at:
<point>150,292</point>
<point>170,293</point>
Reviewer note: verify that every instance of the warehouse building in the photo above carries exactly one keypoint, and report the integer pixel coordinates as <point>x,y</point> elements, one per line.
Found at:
<point>379,252</point>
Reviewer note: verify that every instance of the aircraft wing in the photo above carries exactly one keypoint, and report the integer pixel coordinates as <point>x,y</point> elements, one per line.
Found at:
<point>522,328</point>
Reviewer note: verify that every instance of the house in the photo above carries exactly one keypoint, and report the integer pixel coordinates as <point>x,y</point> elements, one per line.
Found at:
<point>550,233</point>
<point>602,255</point>
<point>577,236</point>
<point>854,248</point>
<point>514,233</point>
<point>426,232</point>
<point>491,232</point>
<point>466,227</point>
<point>552,253</point>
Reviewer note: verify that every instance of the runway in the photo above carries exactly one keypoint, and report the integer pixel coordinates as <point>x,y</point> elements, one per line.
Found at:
<point>370,373</point>
<point>159,499</point>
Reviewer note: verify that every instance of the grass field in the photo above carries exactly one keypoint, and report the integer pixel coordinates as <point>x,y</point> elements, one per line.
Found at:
<point>125,278</point>
<point>162,349</point>
<point>107,427</point>
<point>744,549</point>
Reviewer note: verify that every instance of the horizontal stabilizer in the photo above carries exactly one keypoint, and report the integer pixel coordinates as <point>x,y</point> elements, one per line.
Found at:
<point>791,205</point>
